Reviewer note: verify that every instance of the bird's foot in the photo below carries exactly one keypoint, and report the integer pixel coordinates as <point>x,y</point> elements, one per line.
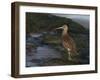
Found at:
<point>77,54</point>
<point>70,59</point>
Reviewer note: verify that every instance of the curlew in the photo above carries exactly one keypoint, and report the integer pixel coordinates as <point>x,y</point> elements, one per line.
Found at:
<point>68,42</point>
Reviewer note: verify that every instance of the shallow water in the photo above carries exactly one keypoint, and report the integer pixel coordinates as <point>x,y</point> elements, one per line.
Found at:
<point>42,55</point>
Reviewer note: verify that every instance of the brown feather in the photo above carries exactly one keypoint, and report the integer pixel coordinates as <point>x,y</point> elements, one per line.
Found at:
<point>68,42</point>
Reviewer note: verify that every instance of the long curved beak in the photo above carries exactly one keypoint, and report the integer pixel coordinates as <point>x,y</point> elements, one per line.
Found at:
<point>59,28</point>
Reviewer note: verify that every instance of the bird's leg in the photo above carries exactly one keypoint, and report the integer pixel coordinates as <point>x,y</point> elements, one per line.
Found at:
<point>69,55</point>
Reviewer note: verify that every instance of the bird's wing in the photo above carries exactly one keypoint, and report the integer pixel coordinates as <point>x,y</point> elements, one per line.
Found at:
<point>68,42</point>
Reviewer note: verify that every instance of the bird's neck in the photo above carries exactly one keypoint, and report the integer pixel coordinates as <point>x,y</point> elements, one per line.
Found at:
<point>64,32</point>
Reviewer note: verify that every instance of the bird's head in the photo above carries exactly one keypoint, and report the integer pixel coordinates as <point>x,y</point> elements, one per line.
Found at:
<point>64,27</point>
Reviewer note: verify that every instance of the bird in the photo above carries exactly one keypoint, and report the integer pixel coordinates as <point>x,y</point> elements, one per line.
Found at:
<point>68,42</point>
